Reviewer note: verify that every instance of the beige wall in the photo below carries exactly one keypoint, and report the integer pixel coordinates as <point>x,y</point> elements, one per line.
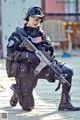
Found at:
<point>0,24</point>
<point>12,11</point>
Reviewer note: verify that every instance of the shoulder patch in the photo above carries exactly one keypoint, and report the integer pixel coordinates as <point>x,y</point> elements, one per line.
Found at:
<point>11,43</point>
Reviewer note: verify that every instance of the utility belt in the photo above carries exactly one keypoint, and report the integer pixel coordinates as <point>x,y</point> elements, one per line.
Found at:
<point>17,69</point>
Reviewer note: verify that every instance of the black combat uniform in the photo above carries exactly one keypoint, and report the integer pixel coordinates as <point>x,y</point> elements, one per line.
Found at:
<point>21,63</point>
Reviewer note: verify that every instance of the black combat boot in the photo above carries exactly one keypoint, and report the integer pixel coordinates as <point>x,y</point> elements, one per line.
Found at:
<point>65,104</point>
<point>14,99</point>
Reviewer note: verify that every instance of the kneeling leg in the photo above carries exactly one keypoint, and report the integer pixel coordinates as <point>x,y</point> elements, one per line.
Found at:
<point>65,103</point>
<point>25,93</point>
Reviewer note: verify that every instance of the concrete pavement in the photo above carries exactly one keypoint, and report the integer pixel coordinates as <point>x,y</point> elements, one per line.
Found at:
<point>46,99</point>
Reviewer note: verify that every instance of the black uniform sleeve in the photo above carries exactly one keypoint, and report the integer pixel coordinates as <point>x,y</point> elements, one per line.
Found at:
<point>13,45</point>
<point>14,52</point>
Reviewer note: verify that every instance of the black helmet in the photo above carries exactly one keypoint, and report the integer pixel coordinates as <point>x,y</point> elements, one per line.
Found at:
<point>34,12</point>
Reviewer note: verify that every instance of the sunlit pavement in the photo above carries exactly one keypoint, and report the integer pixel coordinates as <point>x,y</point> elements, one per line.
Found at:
<point>46,98</point>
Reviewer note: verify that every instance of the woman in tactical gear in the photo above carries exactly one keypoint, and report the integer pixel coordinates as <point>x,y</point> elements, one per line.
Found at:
<point>21,63</point>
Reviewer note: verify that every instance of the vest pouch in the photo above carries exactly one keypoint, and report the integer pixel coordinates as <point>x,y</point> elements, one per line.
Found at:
<point>8,67</point>
<point>12,68</point>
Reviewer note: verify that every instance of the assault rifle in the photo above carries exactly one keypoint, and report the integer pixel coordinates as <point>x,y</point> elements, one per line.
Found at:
<point>45,60</point>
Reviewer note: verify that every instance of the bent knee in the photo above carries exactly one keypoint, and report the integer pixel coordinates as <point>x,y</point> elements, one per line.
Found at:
<point>27,108</point>
<point>67,70</point>
<point>27,103</point>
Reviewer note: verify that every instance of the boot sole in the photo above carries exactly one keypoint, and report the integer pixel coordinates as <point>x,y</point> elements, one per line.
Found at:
<point>68,109</point>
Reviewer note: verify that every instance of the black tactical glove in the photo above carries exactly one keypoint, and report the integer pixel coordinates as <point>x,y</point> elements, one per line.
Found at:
<point>30,56</point>
<point>46,48</point>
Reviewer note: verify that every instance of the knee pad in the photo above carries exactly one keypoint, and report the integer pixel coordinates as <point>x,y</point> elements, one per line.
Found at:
<point>28,103</point>
<point>27,108</point>
<point>67,70</point>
